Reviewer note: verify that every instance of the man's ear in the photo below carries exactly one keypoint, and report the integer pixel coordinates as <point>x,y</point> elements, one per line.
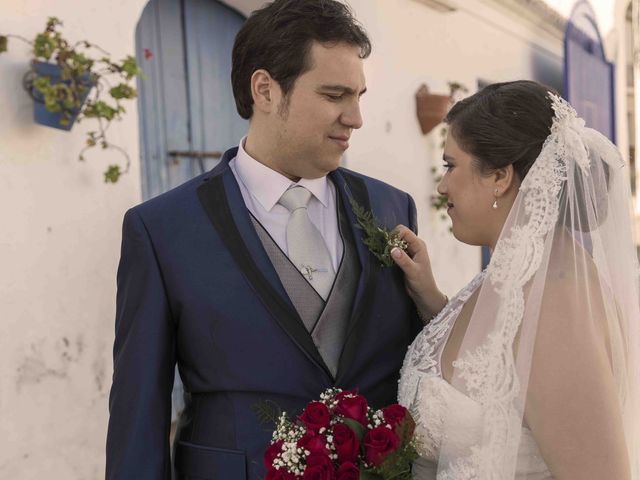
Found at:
<point>262,90</point>
<point>505,179</point>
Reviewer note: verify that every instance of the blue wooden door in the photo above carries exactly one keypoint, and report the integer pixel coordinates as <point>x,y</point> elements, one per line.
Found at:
<point>187,112</point>
<point>185,100</point>
<point>588,76</point>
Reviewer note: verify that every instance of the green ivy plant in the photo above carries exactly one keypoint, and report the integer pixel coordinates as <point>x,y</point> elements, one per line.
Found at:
<point>439,202</point>
<point>85,69</point>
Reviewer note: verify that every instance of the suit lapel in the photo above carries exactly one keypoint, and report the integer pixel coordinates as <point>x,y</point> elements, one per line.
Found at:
<point>351,186</point>
<point>222,200</point>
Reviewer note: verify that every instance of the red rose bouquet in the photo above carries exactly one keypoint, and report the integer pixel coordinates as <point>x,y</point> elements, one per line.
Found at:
<point>339,437</point>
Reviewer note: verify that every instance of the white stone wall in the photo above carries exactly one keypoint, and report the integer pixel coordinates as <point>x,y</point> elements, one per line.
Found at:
<point>59,246</point>
<point>60,224</point>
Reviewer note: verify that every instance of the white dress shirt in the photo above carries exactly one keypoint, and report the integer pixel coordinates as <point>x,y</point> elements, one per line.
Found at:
<point>261,189</point>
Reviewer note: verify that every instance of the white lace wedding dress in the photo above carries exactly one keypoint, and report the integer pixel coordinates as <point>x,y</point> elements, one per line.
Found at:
<point>431,399</point>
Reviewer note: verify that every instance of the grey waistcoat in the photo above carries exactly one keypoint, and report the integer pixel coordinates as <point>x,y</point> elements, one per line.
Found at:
<point>326,322</point>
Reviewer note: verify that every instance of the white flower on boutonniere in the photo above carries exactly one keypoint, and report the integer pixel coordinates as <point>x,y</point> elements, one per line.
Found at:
<point>378,239</point>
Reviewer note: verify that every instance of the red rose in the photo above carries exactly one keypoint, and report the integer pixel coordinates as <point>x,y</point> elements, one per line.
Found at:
<point>281,474</point>
<point>313,443</point>
<point>271,453</point>
<point>346,443</point>
<point>315,416</point>
<point>378,443</point>
<point>352,405</point>
<point>348,471</point>
<point>319,467</point>
<point>394,414</point>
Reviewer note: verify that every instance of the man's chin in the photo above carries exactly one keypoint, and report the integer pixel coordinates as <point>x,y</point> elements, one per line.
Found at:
<point>325,168</point>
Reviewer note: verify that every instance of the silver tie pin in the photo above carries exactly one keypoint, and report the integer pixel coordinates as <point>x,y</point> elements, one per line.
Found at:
<point>308,271</point>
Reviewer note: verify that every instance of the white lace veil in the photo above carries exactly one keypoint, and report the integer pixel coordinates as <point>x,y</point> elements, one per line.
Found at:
<point>553,343</point>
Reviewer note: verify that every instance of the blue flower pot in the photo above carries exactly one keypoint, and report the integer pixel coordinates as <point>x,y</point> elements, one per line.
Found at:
<point>43,116</point>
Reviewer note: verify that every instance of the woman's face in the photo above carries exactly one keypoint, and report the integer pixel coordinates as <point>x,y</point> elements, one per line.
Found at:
<point>470,196</point>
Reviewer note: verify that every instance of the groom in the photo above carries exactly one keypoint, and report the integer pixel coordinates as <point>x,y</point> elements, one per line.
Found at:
<point>252,277</point>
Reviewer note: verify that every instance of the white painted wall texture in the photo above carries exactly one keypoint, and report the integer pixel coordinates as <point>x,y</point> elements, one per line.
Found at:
<point>60,224</point>
<point>59,244</point>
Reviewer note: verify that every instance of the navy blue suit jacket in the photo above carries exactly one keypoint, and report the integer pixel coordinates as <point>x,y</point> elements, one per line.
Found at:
<point>196,287</point>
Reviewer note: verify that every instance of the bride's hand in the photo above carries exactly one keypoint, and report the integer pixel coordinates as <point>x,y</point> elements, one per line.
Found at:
<point>419,281</point>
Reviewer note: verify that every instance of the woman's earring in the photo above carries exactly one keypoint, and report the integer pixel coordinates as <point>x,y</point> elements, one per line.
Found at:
<point>495,202</point>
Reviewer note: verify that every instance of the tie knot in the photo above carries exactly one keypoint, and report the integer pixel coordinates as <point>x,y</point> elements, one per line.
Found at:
<point>295,198</point>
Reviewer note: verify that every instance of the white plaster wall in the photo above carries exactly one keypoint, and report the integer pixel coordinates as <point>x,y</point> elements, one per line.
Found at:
<point>60,224</point>
<point>59,247</point>
<point>604,10</point>
<point>617,45</point>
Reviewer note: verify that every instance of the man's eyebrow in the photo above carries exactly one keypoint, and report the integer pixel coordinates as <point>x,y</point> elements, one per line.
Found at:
<point>342,89</point>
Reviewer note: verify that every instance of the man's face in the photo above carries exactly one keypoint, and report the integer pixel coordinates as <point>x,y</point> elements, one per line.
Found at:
<point>313,125</point>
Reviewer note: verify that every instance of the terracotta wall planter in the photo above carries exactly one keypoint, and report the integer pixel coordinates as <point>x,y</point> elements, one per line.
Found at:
<point>430,108</point>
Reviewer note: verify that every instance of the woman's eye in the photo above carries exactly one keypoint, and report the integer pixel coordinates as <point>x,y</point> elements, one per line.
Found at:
<point>447,166</point>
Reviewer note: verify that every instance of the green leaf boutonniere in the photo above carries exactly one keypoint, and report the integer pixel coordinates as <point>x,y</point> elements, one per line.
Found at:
<point>378,239</point>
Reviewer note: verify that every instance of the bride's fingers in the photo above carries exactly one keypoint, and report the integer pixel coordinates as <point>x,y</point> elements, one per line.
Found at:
<point>414,244</point>
<point>404,261</point>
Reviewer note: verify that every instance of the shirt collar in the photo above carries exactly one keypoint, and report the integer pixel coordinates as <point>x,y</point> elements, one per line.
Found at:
<point>267,185</point>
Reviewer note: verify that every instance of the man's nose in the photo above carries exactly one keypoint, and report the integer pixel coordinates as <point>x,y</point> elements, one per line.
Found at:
<point>352,117</point>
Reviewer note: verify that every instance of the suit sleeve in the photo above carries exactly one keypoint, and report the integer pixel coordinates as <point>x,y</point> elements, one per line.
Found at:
<point>413,217</point>
<point>143,363</point>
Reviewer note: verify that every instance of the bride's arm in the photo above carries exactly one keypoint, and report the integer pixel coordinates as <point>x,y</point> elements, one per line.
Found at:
<point>572,406</point>
<point>415,263</point>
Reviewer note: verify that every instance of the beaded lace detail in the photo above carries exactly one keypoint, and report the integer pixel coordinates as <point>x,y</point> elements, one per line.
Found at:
<point>421,363</point>
<point>421,356</point>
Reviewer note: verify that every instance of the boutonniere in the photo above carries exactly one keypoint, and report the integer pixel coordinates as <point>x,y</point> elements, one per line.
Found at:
<point>378,239</point>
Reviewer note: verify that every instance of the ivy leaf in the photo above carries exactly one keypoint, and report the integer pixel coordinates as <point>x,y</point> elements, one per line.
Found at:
<point>44,46</point>
<point>92,141</point>
<point>123,90</point>
<point>112,174</point>
<point>100,109</point>
<point>130,67</point>
<point>4,43</point>
<point>52,23</point>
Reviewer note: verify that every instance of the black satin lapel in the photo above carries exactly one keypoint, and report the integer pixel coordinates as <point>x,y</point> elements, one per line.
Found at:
<point>350,186</point>
<point>213,196</point>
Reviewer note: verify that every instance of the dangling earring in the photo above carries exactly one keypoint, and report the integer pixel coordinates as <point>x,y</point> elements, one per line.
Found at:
<point>495,202</point>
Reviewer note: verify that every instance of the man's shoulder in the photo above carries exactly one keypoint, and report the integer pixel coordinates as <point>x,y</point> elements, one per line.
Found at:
<point>182,197</point>
<point>174,199</point>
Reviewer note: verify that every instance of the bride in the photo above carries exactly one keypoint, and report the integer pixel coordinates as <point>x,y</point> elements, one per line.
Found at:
<point>532,370</point>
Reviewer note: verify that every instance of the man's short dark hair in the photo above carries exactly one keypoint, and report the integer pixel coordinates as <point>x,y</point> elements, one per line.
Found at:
<point>278,38</point>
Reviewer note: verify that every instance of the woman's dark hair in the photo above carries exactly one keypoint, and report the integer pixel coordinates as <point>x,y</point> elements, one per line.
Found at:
<point>278,39</point>
<point>504,123</point>
<point>508,123</point>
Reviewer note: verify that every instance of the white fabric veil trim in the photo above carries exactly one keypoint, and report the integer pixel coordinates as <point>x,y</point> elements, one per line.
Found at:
<point>489,372</point>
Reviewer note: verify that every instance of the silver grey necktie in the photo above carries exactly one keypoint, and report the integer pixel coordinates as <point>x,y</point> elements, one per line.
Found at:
<point>305,245</point>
